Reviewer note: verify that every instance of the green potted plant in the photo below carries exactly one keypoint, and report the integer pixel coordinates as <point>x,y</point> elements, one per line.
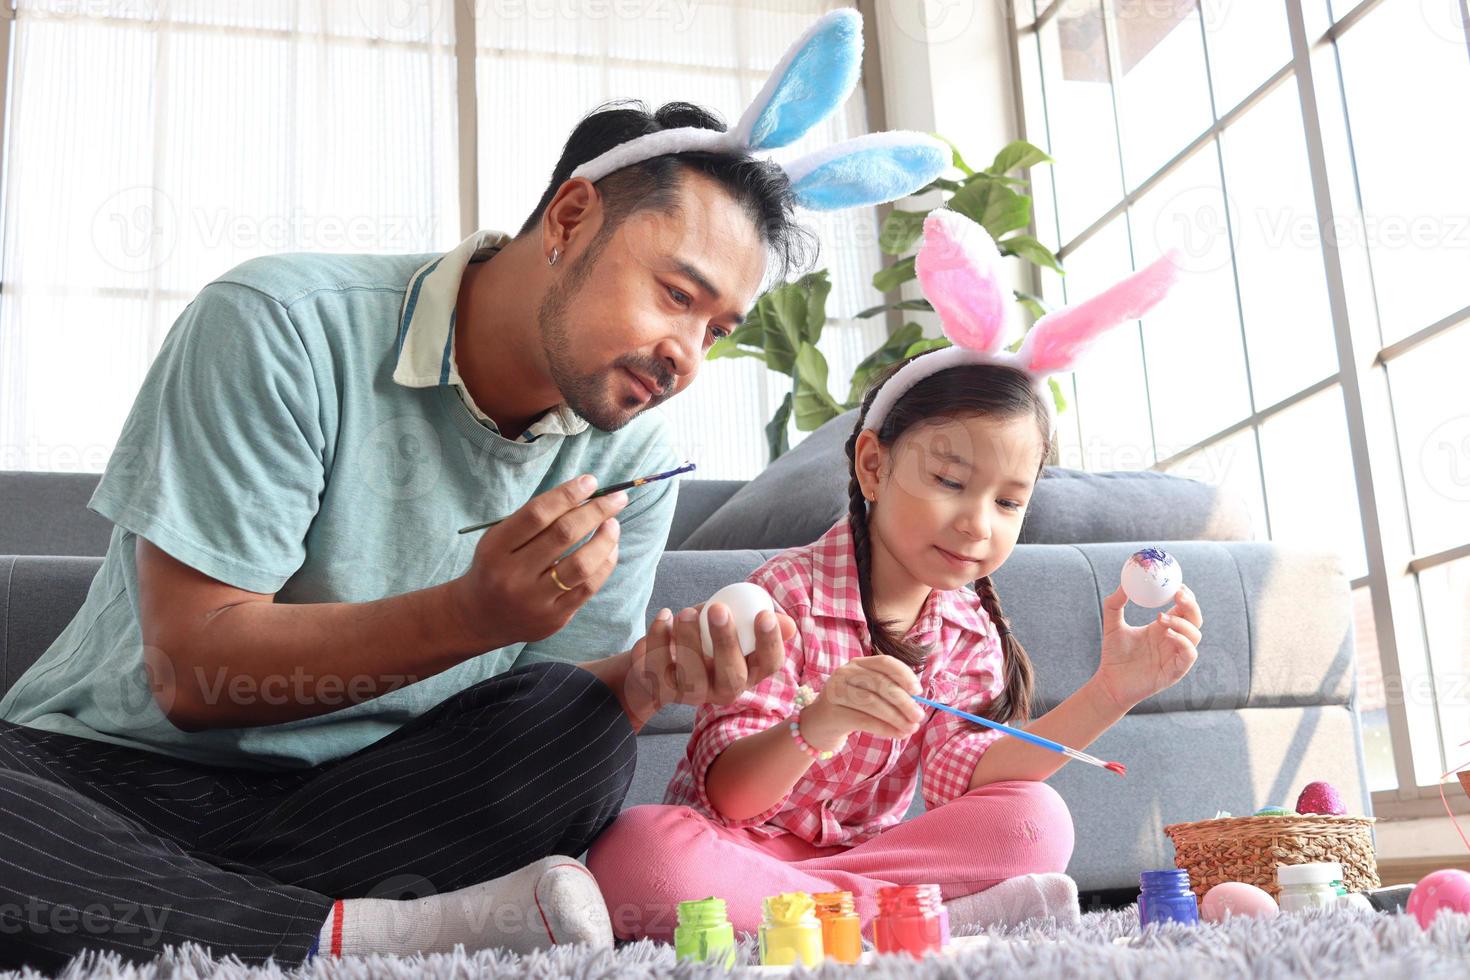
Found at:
<point>784,326</point>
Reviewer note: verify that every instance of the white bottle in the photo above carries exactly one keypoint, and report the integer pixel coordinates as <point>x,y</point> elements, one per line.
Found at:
<point>1306,886</point>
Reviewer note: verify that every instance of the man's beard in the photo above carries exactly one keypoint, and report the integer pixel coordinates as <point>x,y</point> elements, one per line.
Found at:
<point>591,395</point>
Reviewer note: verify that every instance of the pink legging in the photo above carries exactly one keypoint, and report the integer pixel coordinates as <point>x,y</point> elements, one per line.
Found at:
<point>654,857</point>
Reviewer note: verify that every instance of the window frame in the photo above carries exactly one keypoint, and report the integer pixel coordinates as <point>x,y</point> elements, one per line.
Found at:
<point>1362,358</point>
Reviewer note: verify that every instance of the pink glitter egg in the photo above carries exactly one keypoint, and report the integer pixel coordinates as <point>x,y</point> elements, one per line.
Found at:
<point>1237,898</point>
<point>1320,798</point>
<point>1439,891</point>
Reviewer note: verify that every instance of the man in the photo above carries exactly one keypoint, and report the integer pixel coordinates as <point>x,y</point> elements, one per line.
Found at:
<point>294,694</point>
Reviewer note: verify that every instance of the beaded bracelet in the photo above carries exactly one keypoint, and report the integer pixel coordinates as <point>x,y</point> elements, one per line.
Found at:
<point>805,696</point>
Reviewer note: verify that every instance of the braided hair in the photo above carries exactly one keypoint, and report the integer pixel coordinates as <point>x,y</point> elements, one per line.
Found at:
<point>992,390</point>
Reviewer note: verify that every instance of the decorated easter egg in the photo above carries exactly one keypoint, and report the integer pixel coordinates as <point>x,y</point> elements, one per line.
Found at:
<point>1320,798</point>
<point>745,600</point>
<point>1439,891</point>
<point>1151,577</point>
<point>1239,899</point>
<point>1273,811</point>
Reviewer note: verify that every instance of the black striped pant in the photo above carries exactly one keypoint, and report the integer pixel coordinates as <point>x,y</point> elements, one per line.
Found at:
<point>105,847</point>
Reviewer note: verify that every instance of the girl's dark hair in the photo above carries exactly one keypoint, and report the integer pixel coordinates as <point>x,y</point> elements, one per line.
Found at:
<point>760,187</point>
<point>998,392</point>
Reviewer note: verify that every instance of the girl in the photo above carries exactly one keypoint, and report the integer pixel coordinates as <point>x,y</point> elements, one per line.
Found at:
<point>801,784</point>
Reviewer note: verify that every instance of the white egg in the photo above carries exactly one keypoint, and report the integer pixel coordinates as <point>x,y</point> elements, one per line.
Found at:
<point>745,601</point>
<point>1151,577</point>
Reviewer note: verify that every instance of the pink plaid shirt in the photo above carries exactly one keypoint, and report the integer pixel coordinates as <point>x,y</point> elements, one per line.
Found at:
<point>868,785</point>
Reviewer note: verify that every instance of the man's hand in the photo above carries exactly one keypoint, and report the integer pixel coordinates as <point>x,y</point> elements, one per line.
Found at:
<point>668,666</point>
<point>509,594</point>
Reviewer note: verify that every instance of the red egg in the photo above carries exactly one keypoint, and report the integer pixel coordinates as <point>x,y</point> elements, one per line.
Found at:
<point>1439,891</point>
<point>1320,798</point>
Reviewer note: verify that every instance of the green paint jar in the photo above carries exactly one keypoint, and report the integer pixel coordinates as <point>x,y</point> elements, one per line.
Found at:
<point>704,933</point>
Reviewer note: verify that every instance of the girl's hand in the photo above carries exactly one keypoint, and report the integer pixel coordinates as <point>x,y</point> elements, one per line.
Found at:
<point>866,694</point>
<point>1140,661</point>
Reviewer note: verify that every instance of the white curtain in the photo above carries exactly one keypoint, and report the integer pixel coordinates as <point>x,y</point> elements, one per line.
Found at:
<point>150,147</point>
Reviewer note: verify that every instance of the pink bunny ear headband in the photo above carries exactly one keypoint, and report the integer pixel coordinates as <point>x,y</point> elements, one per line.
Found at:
<point>958,268</point>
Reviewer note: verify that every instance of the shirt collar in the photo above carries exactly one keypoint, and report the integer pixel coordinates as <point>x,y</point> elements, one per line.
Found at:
<point>835,590</point>
<point>426,333</point>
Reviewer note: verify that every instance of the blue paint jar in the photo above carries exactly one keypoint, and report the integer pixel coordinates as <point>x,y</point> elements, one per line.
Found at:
<point>1165,897</point>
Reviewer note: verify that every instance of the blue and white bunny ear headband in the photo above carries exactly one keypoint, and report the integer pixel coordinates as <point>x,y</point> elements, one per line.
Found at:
<point>958,268</point>
<point>813,78</point>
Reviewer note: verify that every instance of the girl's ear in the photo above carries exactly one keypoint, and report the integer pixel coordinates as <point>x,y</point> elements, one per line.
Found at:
<point>869,458</point>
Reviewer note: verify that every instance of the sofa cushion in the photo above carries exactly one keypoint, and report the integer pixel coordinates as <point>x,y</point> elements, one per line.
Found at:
<point>802,494</point>
<point>46,514</point>
<point>696,501</point>
<point>792,502</point>
<point>38,597</point>
<point>1078,507</point>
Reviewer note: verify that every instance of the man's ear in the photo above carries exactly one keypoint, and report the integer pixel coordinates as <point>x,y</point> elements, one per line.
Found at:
<point>572,217</point>
<point>869,458</point>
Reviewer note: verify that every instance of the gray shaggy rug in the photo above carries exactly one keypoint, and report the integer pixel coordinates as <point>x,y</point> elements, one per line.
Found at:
<point>1336,944</point>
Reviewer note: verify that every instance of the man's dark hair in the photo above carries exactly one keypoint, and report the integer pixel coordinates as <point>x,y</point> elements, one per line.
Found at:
<point>758,186</point>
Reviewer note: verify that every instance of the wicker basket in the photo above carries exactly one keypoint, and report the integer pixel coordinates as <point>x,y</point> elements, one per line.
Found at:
<point>1249,848</point>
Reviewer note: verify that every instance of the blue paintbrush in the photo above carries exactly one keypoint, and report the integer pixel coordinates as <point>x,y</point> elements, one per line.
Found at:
<point>1026,736</point>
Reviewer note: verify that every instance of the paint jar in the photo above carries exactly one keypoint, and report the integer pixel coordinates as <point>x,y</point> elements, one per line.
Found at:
<point>842,932</point>
<point>1164,896</point>
<point>1307,886</point>
<point>790,932</point>
<point>704,933</point>
<point>911,919</point>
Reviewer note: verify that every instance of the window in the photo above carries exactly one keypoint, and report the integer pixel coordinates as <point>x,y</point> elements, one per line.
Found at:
<point>150,147</point>
<point>1311,366</point>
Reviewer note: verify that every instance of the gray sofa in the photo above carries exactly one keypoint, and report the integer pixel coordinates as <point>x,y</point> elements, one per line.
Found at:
<point>1268,707</point>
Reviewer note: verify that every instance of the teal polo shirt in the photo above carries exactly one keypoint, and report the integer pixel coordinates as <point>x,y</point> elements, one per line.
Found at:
<point>288,439</point>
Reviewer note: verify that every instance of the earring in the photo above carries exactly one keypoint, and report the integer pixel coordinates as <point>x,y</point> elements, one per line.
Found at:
<point>555,254</point>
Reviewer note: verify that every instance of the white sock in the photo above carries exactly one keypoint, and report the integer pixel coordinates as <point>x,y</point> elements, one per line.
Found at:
<point>553,901</point>
<point>1015,900</point>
